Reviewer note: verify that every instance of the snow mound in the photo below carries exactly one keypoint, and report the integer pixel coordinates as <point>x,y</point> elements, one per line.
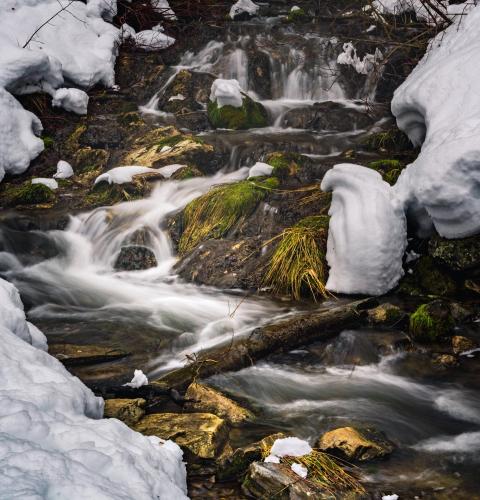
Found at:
<point>121,175</point>
<point>64,170</point>
<point>74,100</point>
<point>243,7</point>
<point>54,442</point>
<point>367,234</point>
<point>438,108</point>
<point>46,181</point>
<point>259,170</point>
<point>226,93</point>
<point>139,379</point>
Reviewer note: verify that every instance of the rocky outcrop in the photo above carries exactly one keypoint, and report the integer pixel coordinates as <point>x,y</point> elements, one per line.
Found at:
<point>135,258</point>
<point>129,411</point>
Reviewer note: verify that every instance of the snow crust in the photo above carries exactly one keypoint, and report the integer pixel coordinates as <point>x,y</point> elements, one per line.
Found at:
<point>121,175</point>
<point>437,106</point>
<point>226,93</point>
<point>139,379</point>
<point>46,181</point>
<point>259,170</point>
<point>64,170</point>
<point>243,7</point>
<point>367,234</point>
<point>54,442</point>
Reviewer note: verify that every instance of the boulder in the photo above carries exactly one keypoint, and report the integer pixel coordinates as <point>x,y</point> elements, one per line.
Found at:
<point>135,258</point>
<point>431,321</point>
<point>202,435</point>
<point>385,314</point>
<point>356,444</point>
<point>129,411</point>
<point>250,114</point>
<point>461,344</point>
<point>206,399</point>
<point>458,255</point>
<point>73,354</point>
<point>444,361</point>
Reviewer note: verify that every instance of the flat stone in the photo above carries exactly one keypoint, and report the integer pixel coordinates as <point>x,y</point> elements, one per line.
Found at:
<point>73,354</point>
<point>360,444</point>
<point>129,411</point>
<point>209,400</point>
<point>459,254</point>
<point>201,434</point>
<point>461,343</point>
<point>135,258</point>
<point>385,313</point>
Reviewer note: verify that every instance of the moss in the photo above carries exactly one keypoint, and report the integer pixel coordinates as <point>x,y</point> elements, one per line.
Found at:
<point>130,118</point>
<point>104,194</point>
<point>392,176</point>
<point>297,15</point>
<point>213,214</point>
<point>170,141</point>
<point>430,322</point>
<point>187,172</point>
<point>48,141</point>
<point>297,266</point>
<point>389,169</point>
<point>72,142</point>
<point>250,115</point>
<point>389,140</point>
<point>28,194</point>
<point>285,164</point>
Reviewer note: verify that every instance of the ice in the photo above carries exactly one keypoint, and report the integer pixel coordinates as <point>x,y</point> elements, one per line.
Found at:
<point>290,446</point>
<point>438,108</point>
<point>150,40</point>
<point>226,93</point>
<point>259,170</point>
<point>64,170</point>
<point>300,470</point>
<point>74,100</point>
<point>50,183</point>
<point>121,175</point>
<point>54,441</point>
<point>367,234</point>
<point>363,66</point>
<point>243,7</point>
<point>139,379</point>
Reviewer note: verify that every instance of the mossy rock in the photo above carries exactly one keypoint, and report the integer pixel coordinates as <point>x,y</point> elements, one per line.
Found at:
<point>88,158</point>
<point>385,314</point>
<point>72,143</point>
<point>27,194</point>
<point>104,194</point>
<point>129,411</point>
<point>250,115</point>
<point>285,164</point>
<point>393,140</point>
<point>431,321</point>
<point>297,16</point>
<point>185,173</point>
<point>458,255</point>
<point>390,170</point>
<point>48,141</point>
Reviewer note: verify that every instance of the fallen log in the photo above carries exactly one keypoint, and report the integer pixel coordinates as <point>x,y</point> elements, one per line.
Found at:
<point>282,336</point>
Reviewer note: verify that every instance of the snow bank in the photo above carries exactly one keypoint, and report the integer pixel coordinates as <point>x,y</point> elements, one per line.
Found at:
<point>121,175</point>
<point>168,170</point>
<point>438,107</point>
<point>54,442</point>
<point>423,12</point>
<point>367,234</point>
<point>259,170</point>
<point>363,66</point>
<point>246,7</point>
<point>64,170</point>
<point>226,93</point>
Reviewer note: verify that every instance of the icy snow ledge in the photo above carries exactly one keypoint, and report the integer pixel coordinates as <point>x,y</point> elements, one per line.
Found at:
<point>367,234</point>
<point>226,93</point>
<point>55,443</point>
<point>438,104</point>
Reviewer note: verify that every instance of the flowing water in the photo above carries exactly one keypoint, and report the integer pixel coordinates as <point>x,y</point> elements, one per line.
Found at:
<point>76,295</point>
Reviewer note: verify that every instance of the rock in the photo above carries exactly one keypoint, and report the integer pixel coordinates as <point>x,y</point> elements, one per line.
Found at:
<point>135,258</point>
<point>459,255</point>
<point>210,400</point>
<point>250,115</point>
<point>327,116</point>
<point>89,158</point>
<point>186,173</point>
<point>259,71</point>
<point>385,314</point>
<point>235,465</point>
<point>26,194</point>
<point>269,480</point>
<point>73,354</point>
<point>202,434</point>
<point>461,344</point>
<point>359,444</point>
<point>431,321</point>
<point>445,360</point>
<point>129,411</point>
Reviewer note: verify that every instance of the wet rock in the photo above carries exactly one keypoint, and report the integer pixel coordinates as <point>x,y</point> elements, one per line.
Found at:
<point>235,465</point>
<point>458,255</point>
<point>385,314</point>
<point>431,321</point>
<point>26,194</point>
<point>268,480</point>
<point>73,354</point>
<point>444,361</point>
<point>203,435</point>
<point>359,444</point>
<point>135,258</point>
<point>327,116</point>
<point>461,344</point>
<point>251,114</point>
<point>90,158</point>
<point>186,173</point>
<point>208,400</point>
<point>129,411</point>
<point>259,71</point>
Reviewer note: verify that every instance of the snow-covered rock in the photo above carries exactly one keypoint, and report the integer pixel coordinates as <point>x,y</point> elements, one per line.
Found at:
<point>139,379</point>
<point>46,181</point>
<point>290,446</point>
<point>243,8</point>
<point>74,100</point>
<point>168,170</point>
<point>121,175</point>
<point>163,7</point>
<point>259,170</point>
<point>226,93</point>
<point>438,107</point>
<point>367,234</point>
<point>64,170</point>
<point>153,40</point>
<point>363,66</point>
<point>54,442</point>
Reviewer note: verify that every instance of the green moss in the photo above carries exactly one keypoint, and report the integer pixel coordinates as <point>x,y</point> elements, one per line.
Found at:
<point>213,214</point>
<point>88,159</point>
<point>130,118</point>
<point>430,322</point>
<point>250,115</point>
<point>187,172</point>
<point>297,15</point>
<point>298,266</point>
<point>392,176</point>
<point>104,194</point>
<point>389,169</point>
<point>72,142</point>
<point>29,194</point>
<point>48,141</point>
<point>170,141</point>
<point>285,164</point>
<point>389,140</point>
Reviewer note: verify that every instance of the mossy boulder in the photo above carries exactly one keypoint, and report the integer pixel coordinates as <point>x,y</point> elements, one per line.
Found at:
<point>389,169</point>
<point>250,114</point>
<point>458,255</point>
<point>26,194</point>
<point>385,314</point>
<point>185,173</point>
<point>391,140</point>
<point>129,411</point>
<point>297,15</point>
<point>285,164</point>
<point>430,322</point>
<point>356,444</point>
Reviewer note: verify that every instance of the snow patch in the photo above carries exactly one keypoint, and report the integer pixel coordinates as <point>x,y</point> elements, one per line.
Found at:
<point>139,379</point>
<point>46,181</point>
<point>300,470</point>
<point>243,7</point>
<point>151,40</point>
<point>368,64</point>
<point>121,175</point>
<point>74,100</point>
<point>291,447</point>
<point>260,170</point>
<point>169,170</point>
<point>226,93</point>
<point>64,170</point>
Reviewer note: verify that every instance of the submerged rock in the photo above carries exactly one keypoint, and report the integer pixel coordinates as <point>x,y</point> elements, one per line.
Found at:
<point>205,399</point>
<point>129,411</point>
<point>135,258</point>
<point>250,114</point>
<point>359,444</point>
<point>202,434</point>
<point>73,354</point>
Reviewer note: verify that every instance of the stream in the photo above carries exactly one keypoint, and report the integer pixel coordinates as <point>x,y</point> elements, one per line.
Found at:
<point>361,377</point>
